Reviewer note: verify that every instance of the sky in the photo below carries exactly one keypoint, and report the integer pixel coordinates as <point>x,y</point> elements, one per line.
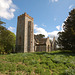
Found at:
<point>48,15</point>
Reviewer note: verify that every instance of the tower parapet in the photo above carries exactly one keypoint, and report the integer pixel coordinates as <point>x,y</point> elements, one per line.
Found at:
<point>25,14</point>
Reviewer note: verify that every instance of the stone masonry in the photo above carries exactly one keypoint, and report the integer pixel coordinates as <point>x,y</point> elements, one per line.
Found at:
<point>26,41</point>
<point>25,34</point>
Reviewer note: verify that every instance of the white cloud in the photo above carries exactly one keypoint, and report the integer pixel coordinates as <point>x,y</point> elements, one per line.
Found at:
<point>53,1</point>
<point>53,34</point>
<point>39,30</point>
<point>43,25</point>
<point>71,6</point>
<point>7,9</point>
<point>12,29</point>
<point>58,27</point>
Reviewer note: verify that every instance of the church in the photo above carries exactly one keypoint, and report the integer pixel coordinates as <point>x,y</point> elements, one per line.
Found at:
<point>26,41</point>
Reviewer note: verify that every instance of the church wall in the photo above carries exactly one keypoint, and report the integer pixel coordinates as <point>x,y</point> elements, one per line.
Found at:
<point>48,45</point>
<point>40,48</point>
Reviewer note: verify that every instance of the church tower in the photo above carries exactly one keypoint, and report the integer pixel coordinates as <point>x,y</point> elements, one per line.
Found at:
<point>25,34</point>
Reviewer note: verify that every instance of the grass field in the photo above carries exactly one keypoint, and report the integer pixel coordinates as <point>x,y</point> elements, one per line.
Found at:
<point>38,63</point>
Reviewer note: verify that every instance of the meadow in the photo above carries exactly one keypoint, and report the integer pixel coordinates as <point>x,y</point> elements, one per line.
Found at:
<point>38,63</point>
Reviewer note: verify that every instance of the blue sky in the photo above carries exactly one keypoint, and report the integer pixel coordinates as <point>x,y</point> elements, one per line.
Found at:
<point>48,15</point>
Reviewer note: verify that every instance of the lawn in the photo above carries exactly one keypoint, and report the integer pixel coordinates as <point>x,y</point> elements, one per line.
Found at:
<point>38,63</point>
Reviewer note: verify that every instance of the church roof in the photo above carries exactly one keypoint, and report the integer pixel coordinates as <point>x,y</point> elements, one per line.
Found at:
<point>40,41</point>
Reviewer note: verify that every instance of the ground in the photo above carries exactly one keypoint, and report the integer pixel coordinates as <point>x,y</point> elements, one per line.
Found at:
<point>38,63</point>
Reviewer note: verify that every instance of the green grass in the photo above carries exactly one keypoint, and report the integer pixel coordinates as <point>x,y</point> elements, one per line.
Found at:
<point>38,63</point>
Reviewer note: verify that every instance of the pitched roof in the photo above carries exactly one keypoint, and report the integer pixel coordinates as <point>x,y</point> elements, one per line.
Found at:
<point>42,41</point>
<point>39,40</point>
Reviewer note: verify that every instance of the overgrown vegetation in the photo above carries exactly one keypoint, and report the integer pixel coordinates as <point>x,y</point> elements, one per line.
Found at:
<point>38,63</point>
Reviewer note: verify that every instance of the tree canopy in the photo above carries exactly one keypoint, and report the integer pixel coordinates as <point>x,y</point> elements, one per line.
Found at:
<point>66,38</point>
<point>41,35</point>
<point>1,22</point>
<point>7,39</point>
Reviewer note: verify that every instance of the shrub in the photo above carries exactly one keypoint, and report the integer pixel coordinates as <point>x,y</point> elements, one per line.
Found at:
<point>47,72</point>
<point>19,73</point>
<point>12,68</point>
<point>2,67</point>
<point>55,73</point>
<point>32,62</point>
<point>69,71</point>
<point>12,73</point>
<point>70,65</point>
<point>38,70</point>
<point>28,70</point>
<point>45,66</point>
<point>20,67</point>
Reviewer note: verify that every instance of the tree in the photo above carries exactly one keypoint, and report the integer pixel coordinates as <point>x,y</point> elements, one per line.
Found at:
<point>1,22</point>
<point>66,38</point>
<point>41,35</point>
<point>7,40</point>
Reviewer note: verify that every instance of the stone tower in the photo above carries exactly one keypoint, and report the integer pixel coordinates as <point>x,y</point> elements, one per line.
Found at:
<point>25,34</point>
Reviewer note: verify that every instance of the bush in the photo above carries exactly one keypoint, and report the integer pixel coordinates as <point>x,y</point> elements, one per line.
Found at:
<point>13,68</point>
<point>38,70</point>
<point>20,67</point>
<point>28,70</point>
<point>2,67</point>
<point>47,72</point>
<point>70,65</point>
<point>55,73</point>
<point>12,73</point>
<point>19,73</point>
<point>30,64</point>
<point>69,71</point>
<point>33,62</point>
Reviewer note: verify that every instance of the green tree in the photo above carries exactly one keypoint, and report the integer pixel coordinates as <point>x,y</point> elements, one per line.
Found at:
<point>1,22</point>
<point>41,35</point>
<point>66,38</point>
<point>7,40</point>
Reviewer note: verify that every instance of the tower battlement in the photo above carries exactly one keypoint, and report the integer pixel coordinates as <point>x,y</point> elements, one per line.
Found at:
<point>26,15</point>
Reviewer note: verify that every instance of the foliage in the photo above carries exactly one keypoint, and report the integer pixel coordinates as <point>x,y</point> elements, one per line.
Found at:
<point>7,40</point>
<point>1,22</point>
<point>66,38</point>
<point>40,36</point>
<point>38,63</point>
